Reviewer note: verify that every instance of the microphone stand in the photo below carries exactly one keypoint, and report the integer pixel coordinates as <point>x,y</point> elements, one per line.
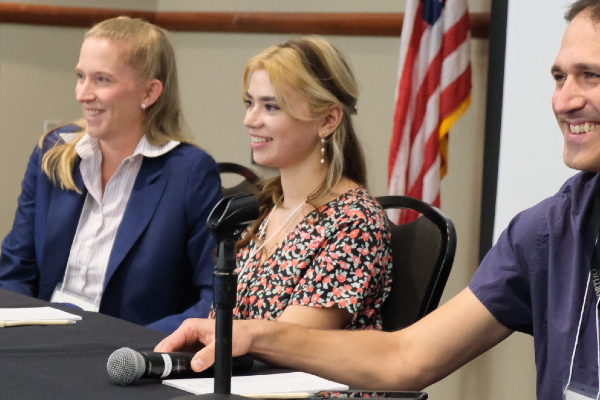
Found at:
<point>226,221</point>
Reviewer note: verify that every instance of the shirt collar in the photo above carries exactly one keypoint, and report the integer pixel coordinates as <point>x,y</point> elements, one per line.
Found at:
<point>88,145</point>
<point>149,150</point>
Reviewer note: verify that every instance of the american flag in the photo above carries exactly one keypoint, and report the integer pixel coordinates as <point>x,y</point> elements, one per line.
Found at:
<point>433,91</point>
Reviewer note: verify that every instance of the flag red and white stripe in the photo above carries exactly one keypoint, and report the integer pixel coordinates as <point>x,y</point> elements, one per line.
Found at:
<point>433,91</point>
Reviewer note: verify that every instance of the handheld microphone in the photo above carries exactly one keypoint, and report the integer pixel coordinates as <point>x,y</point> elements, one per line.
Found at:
<point>126,365</point>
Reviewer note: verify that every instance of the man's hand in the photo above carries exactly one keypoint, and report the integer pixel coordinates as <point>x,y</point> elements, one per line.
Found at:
<point>199,335</point>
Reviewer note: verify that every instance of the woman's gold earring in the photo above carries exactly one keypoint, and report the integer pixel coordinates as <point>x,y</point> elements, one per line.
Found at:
<point>323,150</point>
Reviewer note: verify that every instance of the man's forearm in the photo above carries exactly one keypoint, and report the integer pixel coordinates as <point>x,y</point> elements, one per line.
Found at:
<point>367,359</point>
<point>410,359</point>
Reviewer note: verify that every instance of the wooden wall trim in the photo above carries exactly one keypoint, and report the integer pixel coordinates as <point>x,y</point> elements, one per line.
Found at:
<point>347,24</point>
<point>34,14</point>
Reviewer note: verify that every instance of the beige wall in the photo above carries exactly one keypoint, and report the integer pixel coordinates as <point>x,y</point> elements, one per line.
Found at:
<point>37,84</point>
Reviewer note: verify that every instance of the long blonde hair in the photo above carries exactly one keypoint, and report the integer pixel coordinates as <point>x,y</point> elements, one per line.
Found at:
<point>149,52</point>
<point>314,68</point>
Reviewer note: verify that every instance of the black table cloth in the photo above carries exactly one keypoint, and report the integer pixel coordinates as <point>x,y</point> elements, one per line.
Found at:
<point>69,361</point>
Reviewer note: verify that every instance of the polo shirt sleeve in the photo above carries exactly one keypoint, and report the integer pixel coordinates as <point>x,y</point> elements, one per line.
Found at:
<point>502,282</point>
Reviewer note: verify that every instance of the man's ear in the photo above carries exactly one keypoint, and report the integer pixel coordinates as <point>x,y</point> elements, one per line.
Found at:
<point>154,89</point>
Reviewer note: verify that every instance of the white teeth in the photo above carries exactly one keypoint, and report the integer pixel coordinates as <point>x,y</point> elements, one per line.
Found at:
<point>93,112</point>
<point>256,139</point>
<point>582,128</point>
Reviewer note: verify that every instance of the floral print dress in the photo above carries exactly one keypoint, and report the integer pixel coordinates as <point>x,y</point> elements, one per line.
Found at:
<point>341,259</point>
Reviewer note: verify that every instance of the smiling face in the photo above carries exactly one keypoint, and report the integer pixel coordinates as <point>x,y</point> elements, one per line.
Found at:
<point>279,140</point>
<point>576,99</point>
<point>109,90</point>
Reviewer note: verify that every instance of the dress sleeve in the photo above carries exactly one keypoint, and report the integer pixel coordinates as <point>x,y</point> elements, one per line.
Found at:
<point>351,269</point>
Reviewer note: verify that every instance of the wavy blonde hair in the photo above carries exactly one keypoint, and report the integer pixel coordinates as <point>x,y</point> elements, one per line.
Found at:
<point>148,51</point>
<point>316,70</point>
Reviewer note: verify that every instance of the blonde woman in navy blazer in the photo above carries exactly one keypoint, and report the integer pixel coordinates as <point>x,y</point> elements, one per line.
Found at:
<point>159,269</point>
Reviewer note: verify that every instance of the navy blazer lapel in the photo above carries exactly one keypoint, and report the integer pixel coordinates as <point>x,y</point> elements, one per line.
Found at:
<point>64,210</point>
<point>145,197</point>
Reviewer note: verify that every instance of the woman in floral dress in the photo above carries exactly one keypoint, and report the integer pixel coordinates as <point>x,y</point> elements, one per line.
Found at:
<point>319,254</point>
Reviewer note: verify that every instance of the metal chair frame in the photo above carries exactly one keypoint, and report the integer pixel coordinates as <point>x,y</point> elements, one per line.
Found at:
<point>423,252</point>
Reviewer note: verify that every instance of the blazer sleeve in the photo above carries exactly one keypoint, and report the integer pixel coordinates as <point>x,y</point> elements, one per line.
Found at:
<point>202,194</point>
<point>18,262</point>
<point>22,249</point>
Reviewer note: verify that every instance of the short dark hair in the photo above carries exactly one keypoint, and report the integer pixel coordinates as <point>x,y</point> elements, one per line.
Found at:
<point>592,6</point>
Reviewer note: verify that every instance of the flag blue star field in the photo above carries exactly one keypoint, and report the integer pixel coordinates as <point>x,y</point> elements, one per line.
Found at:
<point>433,91</point>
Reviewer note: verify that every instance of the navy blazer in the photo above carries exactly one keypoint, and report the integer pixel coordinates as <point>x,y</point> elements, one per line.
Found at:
<point>160,268</point>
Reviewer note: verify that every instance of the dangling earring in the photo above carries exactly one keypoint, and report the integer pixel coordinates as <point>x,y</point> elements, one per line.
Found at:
<point>143,106</point>
<point>323,150</point>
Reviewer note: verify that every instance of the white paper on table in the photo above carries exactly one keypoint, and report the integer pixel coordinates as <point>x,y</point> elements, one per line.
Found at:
<point>270,383</point>
<point>36,313</point>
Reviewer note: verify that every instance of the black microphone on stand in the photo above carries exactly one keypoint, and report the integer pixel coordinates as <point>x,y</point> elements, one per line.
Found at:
<point>227,221</point>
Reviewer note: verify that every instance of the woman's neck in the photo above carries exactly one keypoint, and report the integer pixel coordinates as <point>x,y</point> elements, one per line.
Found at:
<point>115,150</point>
<point>299,183</point>
<point>113,154</point>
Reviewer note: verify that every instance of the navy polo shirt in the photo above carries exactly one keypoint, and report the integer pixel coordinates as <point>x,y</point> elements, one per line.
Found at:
<point>534,281</point>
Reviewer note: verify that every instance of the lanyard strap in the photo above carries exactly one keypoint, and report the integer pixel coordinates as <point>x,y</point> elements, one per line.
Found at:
<point>595,264</point>
<point>594,276</point>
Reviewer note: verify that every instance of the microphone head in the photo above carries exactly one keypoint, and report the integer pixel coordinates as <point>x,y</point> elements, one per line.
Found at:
<point>125,365</point>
